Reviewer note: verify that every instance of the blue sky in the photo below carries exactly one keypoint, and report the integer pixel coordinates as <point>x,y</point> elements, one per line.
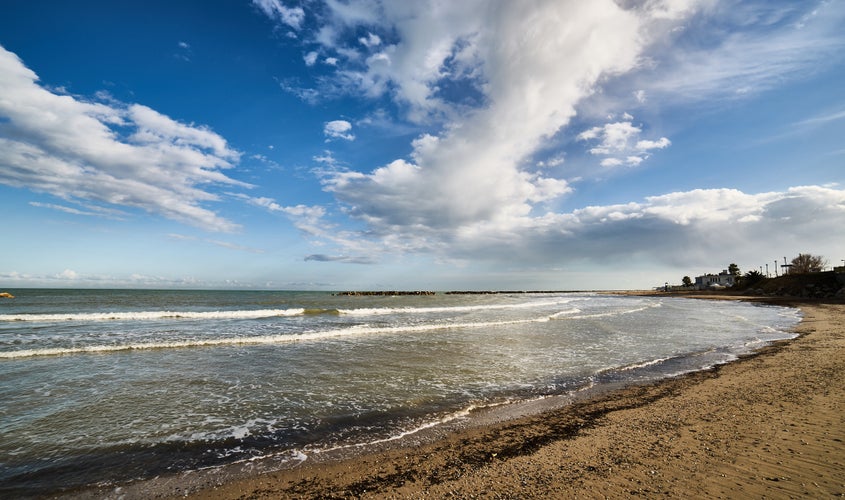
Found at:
<point>370,144</point>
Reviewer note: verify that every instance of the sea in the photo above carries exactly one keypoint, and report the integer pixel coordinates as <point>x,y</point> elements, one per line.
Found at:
<point>111,387</point>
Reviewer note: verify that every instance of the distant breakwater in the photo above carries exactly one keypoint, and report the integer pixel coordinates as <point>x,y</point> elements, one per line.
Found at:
<point>454,292</point>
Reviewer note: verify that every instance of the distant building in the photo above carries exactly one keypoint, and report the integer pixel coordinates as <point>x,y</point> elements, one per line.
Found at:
<point>708,281</point>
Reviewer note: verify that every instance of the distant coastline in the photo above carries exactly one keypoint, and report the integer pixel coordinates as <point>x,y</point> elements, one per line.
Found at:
<point>451,292</point>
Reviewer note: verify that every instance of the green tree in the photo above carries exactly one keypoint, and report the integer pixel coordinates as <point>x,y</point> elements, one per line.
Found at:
<point>687,281</point>
<point>806,263</point>
<point>733,269</point>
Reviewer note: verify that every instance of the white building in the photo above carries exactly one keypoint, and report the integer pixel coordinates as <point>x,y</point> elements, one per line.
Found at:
<point>708,281</point>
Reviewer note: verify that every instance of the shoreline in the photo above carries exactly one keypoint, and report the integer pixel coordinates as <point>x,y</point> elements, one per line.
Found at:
<point>700,432</point>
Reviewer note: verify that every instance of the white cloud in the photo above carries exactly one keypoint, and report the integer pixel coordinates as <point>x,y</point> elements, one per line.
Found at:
<point>154,128</point>
<point>224,244</point>
<point>615,137</point>
<point>611,162</point>
<point>90,210</point>
<point>646,145</point>
<point>758,46</point>
<point>820,120</point>
<point>130,280</point>
<point>555,161</point>
<point>184,51</point>
<point>275,9</point>
<point>640,96</point>
<point>338,129</point>
<point>370,41</point>
<point>355,12</point>
<point>305,218</point>
<point>346,259</point>
<point>473,172</point>
<point>310,58</point>
<point>67,274</point>
<point>621,139</point>
<point>73,149</point>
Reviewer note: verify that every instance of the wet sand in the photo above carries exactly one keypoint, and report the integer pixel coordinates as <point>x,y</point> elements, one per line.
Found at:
<point>771,425</point>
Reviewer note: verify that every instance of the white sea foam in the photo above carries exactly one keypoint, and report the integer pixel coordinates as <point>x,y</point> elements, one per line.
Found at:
<point>462,413</point>
<point>644,364</point>
<point>566,313</point>
<point>356,330</point>
<point>261,313</point>
<point>152,315</point>
<point>618,313</point>
<point>377,311</point>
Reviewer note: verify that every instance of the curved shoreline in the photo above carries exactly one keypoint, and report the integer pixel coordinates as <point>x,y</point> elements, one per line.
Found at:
<point>719,431</point>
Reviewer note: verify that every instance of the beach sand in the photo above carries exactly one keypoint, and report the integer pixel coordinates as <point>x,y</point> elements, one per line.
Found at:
<point>771,425</point>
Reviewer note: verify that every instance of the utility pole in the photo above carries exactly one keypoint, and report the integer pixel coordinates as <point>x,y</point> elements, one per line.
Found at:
<point>776,268</point>
<point>767,269</point>
<point>786,267</point>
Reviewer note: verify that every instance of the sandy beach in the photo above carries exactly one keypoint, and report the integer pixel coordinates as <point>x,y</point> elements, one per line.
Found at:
<point>771,425</point>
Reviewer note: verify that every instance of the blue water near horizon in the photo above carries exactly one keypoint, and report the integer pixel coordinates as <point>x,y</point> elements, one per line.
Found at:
<point>108,386</point>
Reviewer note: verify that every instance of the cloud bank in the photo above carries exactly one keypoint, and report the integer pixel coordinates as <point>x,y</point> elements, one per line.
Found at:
<point>677,229</point>
<point>108,152</point>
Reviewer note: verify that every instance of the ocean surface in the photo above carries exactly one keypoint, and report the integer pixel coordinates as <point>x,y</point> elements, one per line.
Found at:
<point>108,386</point>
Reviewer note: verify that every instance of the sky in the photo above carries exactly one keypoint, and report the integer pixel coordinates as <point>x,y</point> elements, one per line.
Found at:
<point>427,145</point>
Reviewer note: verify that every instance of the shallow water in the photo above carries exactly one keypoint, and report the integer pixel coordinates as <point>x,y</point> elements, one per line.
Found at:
<point>113,385</point>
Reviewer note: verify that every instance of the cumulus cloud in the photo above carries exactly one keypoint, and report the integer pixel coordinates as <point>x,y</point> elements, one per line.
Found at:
<point>621,139</point>
<point>474,171</point>
<point>111,153</point>
<point>338,129</point>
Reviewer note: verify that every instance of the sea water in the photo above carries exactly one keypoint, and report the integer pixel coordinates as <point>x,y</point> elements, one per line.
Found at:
<point>108,386</point>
